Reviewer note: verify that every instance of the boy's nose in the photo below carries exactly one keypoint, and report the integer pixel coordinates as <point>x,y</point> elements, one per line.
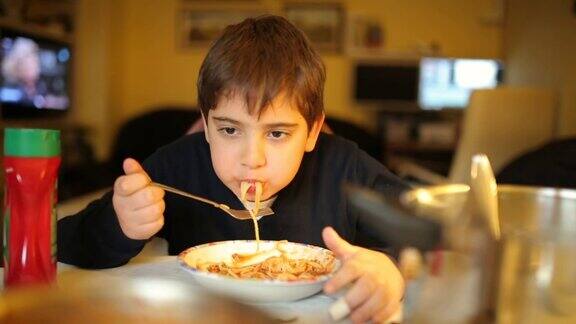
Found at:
<point>254,155</point>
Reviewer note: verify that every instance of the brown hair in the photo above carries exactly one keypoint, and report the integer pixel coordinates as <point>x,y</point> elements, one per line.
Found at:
<point>258,59</point>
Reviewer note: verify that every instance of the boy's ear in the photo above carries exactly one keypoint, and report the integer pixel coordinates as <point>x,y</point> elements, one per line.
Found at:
<point>314,133</point>
<point>204,120</point>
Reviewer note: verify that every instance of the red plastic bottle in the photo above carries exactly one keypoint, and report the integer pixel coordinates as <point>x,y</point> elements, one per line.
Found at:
<point>31,161</point>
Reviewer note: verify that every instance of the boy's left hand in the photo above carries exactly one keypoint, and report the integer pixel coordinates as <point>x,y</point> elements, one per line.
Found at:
<point>376,285</point>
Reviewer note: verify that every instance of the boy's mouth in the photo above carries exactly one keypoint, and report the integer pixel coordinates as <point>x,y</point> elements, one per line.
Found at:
<point>248,188</point>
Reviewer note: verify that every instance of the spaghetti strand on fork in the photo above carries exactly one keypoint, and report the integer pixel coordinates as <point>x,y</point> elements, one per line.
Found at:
<point>244,186</point>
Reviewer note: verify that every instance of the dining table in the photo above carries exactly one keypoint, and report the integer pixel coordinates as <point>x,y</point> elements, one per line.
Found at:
<point>309,310</point>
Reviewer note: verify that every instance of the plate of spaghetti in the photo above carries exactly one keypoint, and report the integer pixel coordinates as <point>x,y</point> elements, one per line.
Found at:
<point>274,271</point>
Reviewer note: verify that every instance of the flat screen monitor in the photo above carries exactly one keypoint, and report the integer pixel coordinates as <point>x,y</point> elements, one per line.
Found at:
<point>381,82</point>
<point>35,75</point>
<point>448,82</point>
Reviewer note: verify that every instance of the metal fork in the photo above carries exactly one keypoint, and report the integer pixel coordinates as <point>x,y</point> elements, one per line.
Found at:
<point>236,213</point>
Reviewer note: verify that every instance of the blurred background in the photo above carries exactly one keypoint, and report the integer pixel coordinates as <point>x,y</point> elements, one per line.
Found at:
<point>399,73</point>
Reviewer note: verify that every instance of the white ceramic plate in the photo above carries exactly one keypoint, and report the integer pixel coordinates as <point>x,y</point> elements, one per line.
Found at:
<point>254,290</point>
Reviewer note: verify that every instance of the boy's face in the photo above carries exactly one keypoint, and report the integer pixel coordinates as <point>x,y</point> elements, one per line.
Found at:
<point>267,149</point>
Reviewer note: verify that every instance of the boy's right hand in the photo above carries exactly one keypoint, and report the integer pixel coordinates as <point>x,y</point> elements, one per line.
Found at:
<point>138,205</point>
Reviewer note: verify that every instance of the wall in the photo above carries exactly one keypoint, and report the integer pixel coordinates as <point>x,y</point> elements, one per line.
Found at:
<point>145,67</point>
<point>541,50</point>
<point>91,76</point>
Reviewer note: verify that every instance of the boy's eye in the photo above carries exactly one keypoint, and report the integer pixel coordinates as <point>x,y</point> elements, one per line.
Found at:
<point>278,134</point>
<point>228,130</point>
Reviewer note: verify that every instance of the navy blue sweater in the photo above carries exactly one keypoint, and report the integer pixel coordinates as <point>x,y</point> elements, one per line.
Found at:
<point>314,199</point>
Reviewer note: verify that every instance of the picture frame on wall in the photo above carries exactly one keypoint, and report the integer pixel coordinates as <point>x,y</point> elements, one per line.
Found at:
<point>198,28</point>
<point>365,35</point>
<point>323,23</point>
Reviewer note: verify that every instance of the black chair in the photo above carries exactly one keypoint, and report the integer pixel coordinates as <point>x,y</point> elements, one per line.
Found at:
<point>551,165</point>
<point>365,140</point>
<point>138,138</point>
<point>141,136</point>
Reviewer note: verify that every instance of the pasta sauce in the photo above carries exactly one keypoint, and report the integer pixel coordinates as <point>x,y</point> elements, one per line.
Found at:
<point>31,161</point>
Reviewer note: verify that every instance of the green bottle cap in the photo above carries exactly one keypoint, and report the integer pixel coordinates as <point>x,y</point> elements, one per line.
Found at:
<point>30,142</point>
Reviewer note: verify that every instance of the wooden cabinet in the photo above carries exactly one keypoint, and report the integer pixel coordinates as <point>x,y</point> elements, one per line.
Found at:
<point>53,18</point>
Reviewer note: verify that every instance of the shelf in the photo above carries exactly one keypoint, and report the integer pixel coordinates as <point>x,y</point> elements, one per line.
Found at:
<point>415,147</point>
<point>37,30</point>
<point>52,19</point>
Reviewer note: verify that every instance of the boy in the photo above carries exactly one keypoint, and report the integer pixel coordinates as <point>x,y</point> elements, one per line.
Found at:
<point>260,91</point>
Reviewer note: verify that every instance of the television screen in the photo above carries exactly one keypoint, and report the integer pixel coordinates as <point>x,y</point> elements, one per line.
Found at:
<point>386,82</point>
<point>448,82</point>
<point>35,75</point>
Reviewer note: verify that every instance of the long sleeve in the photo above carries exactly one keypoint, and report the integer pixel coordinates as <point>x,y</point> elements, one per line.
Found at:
<point>93,238</point>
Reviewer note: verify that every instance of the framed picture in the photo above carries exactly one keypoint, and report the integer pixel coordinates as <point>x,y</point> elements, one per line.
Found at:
<point>198,28</point>
<point>323,23</point>
<point>365,34</point>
